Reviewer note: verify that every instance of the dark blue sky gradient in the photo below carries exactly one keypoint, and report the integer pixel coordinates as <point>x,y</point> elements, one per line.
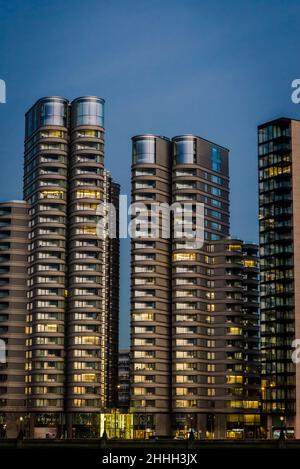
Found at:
<point>213,68</point>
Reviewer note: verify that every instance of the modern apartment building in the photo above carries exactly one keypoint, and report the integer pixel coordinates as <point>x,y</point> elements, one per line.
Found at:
<point>194,311</point>
<point>72,319</point>
<point>13,286</point>
<point>279,201</point>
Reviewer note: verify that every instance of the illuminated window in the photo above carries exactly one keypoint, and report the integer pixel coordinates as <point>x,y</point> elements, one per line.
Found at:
<point>79,390</point>
<point>184,256</point>
<point>144,366</point>
<point>144,305</point>
<point>144,379</point>
<point>144,354</point>
<point>143,316</point>
<point>88,133</point>
<point>191,306</point>
<point>234,379</point>
<point>233,247</point>
<point>139,391</point>
<point>187,403</point>
<point>250,404</point>
<point>79,402</point>
<point>185,366</point>
<point>52,195</point>
<point>86,377</point>
<point>234,330</point>
<point>51,328</point>
<point>144,342</point>
<point>52,133</point>
<point>235,404</point>
<point>87,340</point>
<point>211,392</point>
<point>185,293</point>
<point>88,194</point>
<point>181,391</point>
<point>276,171</point>
<point>91,230</point>
<point>250,263</point>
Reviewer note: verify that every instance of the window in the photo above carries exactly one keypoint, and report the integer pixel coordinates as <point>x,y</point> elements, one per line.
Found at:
<point>185,185</point>
<point>88,377</point>
<point>90,230</point>
<point>87,340</point>
<point>188,403</point>
<point>234,331</point>
<point>234,247</point>
<point>89,133</point>
<point>216,159</point>
<point>143,316</point>
<point>144,281</point>
<point>184,256</point>
<point>234,379</point>
<point>145,172</point>
<point>144,151</point>
<point>88,111</point>
<point>185,172</point>
<point>215,203</point>
<point>52,195</point>
<point>185,293</point>
<point>185,151</point>
<point>250,263</point>
<point>190,306</point>
<point>88,194</point>
<point>216,191</point>
<point>181,391</point>
<point>144,305</point>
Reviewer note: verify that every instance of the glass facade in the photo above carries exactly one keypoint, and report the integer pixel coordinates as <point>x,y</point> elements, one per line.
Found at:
<point>144,150</point>
<point>47,111</point>
<point>185,151</point>
<point>88,111</point>
<point>277,267</point>
<point>216,159</point>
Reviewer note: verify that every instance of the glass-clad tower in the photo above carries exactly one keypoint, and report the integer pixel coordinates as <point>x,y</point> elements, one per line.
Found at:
<point>70,358</point>
<point>279,196</point>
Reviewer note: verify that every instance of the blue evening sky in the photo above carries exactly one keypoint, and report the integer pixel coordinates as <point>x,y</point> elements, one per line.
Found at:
<point>213,68</point>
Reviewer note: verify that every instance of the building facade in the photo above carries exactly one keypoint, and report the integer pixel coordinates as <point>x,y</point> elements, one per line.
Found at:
<point>279,196</point>
<point>72,340</point>
<point>124,380</point>
<point>186,309</point>
<point>13,302</point>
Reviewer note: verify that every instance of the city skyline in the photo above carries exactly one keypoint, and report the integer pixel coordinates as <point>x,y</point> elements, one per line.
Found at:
<point>203,78</point>
<point>198,318</point>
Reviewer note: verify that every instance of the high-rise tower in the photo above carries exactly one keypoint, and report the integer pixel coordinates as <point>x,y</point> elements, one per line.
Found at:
<point>73,308</point>
<point>279,196</point>
<point>193,308</point>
